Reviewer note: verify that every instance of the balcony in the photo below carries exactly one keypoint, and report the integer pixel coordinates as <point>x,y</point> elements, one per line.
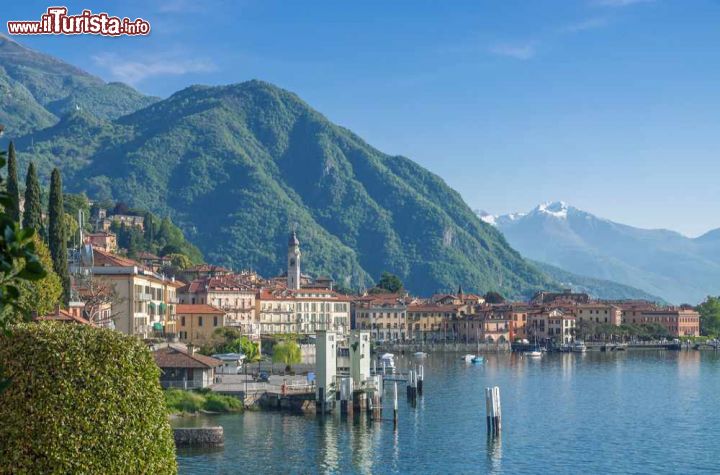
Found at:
<point>143,297</point>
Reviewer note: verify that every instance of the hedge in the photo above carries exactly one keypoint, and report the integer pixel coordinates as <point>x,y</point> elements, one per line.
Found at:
<point>179,401</point>
<point>81,400</point>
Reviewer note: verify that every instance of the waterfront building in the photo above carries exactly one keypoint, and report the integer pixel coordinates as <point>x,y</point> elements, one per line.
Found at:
<point>598,312</point>
<point>384,315</point>
<point>432,322</point>
<point>232,293</point>
<point>677,321</point>
<point>518,315</point>
<point>196,323</point>
<point>561,326</point>
<point>185,368</point>
<point>145,301</point>
<point>551,324</point>
<point>306,311</point>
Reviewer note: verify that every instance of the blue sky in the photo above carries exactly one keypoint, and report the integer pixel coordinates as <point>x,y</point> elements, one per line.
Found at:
<point>610,105</point>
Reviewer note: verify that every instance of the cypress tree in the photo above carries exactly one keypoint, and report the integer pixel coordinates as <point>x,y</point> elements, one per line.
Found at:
<point>56,232</point>
<point>32,217</point>
<point>13,188</point>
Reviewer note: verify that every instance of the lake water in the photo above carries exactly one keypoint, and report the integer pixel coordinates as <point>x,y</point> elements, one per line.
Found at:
<point>627,412</point>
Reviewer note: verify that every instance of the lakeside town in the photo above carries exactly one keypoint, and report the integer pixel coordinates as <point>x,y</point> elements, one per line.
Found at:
<point>211,297</point>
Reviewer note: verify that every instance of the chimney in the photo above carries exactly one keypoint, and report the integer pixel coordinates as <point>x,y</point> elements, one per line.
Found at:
<point>191,349</point>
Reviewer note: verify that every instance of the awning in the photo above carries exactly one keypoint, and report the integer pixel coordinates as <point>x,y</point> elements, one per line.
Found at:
<point>157,326</point>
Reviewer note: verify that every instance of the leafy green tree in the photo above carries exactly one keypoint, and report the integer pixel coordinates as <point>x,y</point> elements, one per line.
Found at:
<point>231,340</point>
<point>709,312</point>
<point>389,283</point>
<point>493,297</point>
<point>287,352</point>
<point>71,229</point>
<point>39,296</point>
<point>180,261</point>
<point>57,232</point>
<point>19,263</point>
<point>75,204</point>
<point>13,189</point>
<point>32,217</point>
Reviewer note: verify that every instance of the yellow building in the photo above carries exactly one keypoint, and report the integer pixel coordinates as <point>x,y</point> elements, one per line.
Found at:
<point>196,323</point>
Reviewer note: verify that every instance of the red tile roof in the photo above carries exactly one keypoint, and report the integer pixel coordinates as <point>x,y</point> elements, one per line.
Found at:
<point>196,308</point>
<point>106,259</point>
<point>65,317</point>
<point>175,357</point>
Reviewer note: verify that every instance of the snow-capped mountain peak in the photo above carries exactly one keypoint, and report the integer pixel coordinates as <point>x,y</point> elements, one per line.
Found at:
<point>556,209</point>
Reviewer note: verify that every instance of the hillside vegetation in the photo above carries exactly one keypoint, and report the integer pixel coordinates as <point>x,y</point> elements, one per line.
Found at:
<point>236,167</point>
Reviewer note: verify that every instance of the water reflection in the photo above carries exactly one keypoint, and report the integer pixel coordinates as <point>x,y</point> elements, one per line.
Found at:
<point>328,456</point>
<point>604,412</point>
<point>494,453</point>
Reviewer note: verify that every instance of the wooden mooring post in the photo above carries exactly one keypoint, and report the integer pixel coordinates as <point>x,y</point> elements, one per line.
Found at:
<point>420,378</point>
<point>395,405</point>
<point>493,410</point>
<point>411,388</point>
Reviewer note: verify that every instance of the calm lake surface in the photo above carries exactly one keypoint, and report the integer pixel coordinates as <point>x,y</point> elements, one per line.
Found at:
<point>627,412</point>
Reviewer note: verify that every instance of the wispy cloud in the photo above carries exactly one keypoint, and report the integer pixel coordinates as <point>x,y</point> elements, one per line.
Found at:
<point>618,3</point>
<point>584,25</point>
<point>136,70</point>
<point>521,51</point>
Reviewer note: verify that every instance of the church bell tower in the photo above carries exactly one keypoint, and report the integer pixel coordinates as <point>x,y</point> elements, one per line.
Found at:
<point>293,268</point>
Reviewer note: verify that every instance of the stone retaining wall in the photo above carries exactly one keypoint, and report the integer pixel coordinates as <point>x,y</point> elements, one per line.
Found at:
<point>199,437</point>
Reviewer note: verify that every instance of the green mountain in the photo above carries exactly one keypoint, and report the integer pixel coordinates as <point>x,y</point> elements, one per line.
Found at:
<point>37,89</point>
<point>236,167</point>
<point>597,288</point>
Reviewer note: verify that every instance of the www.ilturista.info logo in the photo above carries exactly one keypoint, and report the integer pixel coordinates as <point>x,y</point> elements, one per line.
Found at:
<point>56,21</point>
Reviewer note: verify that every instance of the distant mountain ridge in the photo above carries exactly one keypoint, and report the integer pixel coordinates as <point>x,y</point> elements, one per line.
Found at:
<point>658,261</point>
<point>237,166</point>
<point>595,288</point>
<point>37,89</point>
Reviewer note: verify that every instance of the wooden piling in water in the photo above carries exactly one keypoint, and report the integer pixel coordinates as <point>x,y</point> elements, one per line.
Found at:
<point>493,411</point>
<point>421,377</point>
<point>395,405</point>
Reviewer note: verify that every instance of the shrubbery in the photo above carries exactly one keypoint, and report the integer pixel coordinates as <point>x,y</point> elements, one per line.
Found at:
<point>178,400</point>
<point>81,400</point>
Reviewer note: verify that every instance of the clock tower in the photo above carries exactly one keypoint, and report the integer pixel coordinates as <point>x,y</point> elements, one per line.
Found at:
<point>293,268</point>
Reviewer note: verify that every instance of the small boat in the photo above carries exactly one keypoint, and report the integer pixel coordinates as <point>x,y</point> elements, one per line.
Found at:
<point>467,358</point>
<point>535,352</point>
<point>420,354</point>
<point>579,347</point>
<point>477,360</point>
